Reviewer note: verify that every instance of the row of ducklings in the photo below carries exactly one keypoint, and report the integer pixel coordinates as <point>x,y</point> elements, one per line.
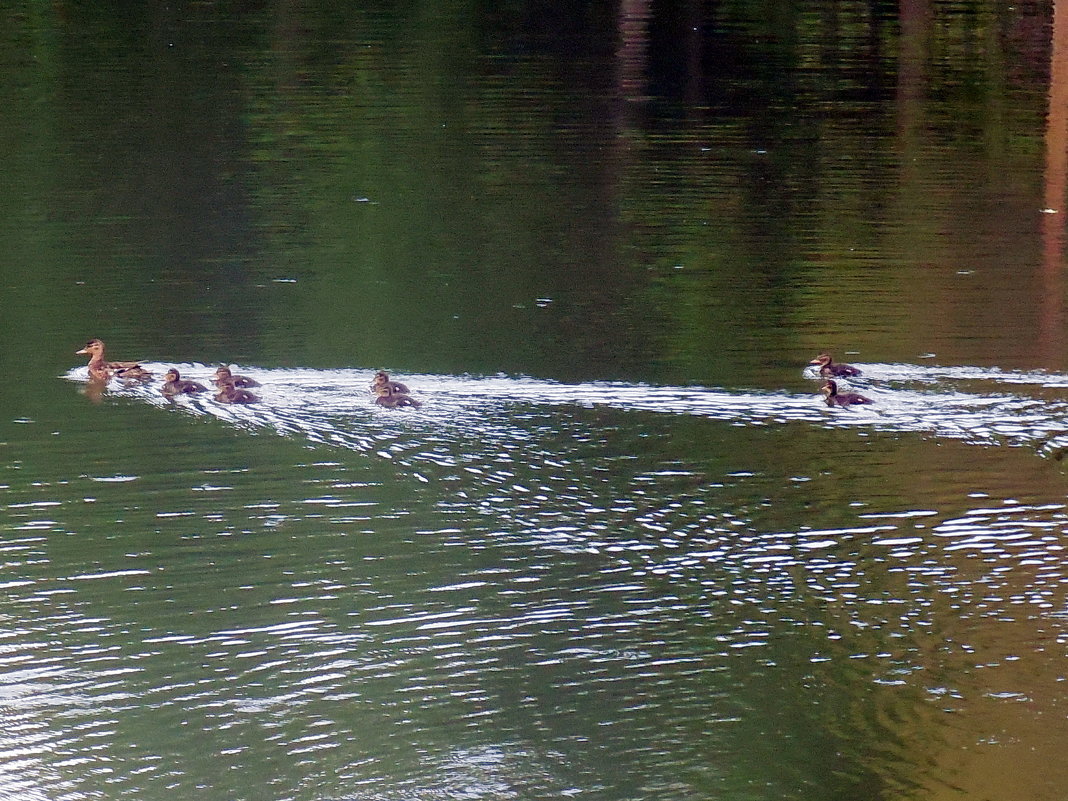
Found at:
<point>830,369</point>
<point>388,393</point>
<point>234,388</point>
<point>231,388</point>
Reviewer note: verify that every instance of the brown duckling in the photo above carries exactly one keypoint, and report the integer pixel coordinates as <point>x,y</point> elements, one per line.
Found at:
<point>391,399</point>
<point>174,384</point>
<point>228,393</point>
<point>100,369</point>
<point>829,368</point>
<point>224,373</point>
<point>836,398</point>
<point>382,380</point>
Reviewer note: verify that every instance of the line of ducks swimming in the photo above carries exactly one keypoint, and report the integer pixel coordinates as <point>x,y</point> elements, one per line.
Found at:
<point>830,370</point>
<point>388,393</point>
<point>231,388</point>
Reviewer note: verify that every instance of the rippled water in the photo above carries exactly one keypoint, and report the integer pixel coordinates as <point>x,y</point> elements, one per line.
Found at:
<point>978,405</point>
<point>524,578</point>
<point>502,577</point>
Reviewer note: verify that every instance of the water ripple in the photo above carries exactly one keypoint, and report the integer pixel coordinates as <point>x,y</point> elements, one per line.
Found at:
<point>333,407</point>
<point>558,572</point>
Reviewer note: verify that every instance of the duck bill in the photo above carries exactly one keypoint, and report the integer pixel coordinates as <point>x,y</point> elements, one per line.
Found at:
<point>814,361</point>
<point>82,352</point>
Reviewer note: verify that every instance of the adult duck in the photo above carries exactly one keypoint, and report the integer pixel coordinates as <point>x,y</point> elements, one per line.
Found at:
<point>394,400</point>
<point>228,393</point>
<point>224,374</point>
<point>835,398</point>
<point>174,384</point>
<point>100,369</point>
<point>382,380</point>
<point>831,369</point>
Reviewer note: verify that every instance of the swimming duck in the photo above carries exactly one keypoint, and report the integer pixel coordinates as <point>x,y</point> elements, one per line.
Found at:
<point>174,384</point>
<point>829,368</point>
<point>100,369</point>
<point>228,393</point>
<point>393,400</point>
<point>836,398</point>
<point>237,380</point>
<point>382,380</point>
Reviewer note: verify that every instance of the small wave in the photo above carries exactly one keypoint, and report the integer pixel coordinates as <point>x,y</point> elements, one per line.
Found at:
<point>335,408</point>
<point>935,374</point>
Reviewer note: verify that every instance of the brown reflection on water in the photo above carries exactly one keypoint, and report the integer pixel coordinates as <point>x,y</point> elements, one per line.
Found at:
<point>1051,312</point>
<point>1006,739</point>
<point>633,47</point>
<point>912,77</point>
<point>967,698</point>
<point>992,666</point>
<point>94,390</point>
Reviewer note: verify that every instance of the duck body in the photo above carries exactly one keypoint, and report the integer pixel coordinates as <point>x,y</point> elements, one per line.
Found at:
<point>835,398</point>
<point>831,369</point>
<point>224,374</point>
<point>394,400</point>
<point>382,380</point>
<point>174,384</point>
<point>228,393</point>
<point>100,369</point>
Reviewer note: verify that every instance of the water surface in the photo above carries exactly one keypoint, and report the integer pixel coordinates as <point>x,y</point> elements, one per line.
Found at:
<point>623,550</point>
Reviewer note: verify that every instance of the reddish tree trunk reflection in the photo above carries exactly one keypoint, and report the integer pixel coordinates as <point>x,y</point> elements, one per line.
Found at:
<point>1051,312</point>
<point>912,62</point>
<point>633,48</point>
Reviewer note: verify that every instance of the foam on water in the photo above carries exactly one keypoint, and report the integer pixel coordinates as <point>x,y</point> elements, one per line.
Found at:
<point>985,406</point>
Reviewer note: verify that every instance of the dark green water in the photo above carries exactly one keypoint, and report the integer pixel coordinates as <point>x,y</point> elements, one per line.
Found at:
<point>623,551</point>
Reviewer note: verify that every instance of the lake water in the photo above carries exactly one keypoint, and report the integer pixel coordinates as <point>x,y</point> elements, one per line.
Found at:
<point>623,550</point>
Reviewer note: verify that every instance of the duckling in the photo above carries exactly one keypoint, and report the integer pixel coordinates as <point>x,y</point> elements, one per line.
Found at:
<point>228,393</point>
<point>238,380</point>
<point>393,400</point>
<point>100,369</point>
<point>835,398</point>
<point>174,384</point>
<point>828,368</point>
<point>382,380</point>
